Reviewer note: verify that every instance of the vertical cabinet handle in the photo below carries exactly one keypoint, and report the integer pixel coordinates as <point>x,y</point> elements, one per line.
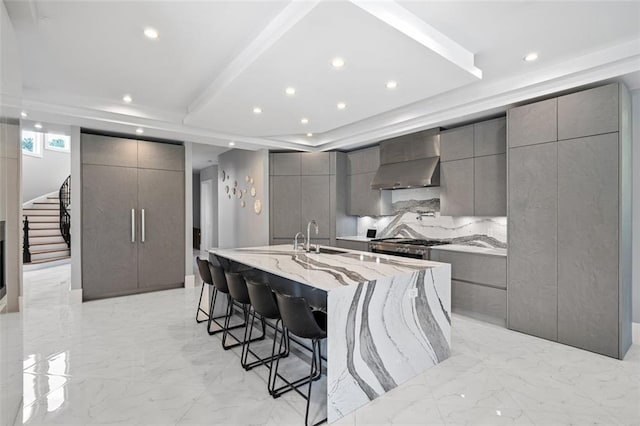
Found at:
<point>133,225</point>
<point>143,227</point>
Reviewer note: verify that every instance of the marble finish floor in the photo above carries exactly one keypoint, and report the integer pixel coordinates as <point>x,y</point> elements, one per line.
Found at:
<point>143,360</point>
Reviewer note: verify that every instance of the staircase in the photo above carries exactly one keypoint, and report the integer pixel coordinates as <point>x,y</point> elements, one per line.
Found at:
<point>46,243</point>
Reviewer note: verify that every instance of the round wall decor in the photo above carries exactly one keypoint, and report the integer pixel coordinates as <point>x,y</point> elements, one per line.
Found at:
<point>257,206</point>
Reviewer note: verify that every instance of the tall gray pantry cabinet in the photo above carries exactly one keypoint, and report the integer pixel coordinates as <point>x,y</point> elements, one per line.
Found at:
<point>569,207</point>
<point>132,216</point>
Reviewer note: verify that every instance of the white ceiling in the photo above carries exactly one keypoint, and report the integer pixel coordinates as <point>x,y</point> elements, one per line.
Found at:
<point>215,61</point>
<point>205,155</point>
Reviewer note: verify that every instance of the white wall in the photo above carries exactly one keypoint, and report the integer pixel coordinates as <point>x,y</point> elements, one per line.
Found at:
<point>635,114</point>
<point>41,176</point>
<point>209,174</point>
<point>196,199</point>
<point>240,226</point>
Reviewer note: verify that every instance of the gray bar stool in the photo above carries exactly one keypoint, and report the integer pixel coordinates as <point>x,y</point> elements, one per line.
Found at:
<point>299,319</point>
<point>238,295</point>
<point>220,283</point>
<point>264,305</point>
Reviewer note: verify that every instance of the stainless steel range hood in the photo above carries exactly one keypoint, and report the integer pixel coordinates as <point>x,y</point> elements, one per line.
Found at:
<point>409,161</point>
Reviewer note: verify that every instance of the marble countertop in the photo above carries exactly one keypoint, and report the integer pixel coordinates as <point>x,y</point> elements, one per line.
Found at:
<point>325,271</point>
<point>355,238</point>
<point>472,249</point>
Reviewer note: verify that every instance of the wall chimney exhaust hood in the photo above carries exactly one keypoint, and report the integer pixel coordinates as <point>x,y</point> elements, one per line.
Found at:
<point>409,161</point>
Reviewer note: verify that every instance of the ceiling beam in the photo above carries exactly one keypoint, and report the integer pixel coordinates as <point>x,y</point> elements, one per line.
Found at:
<point>279,26</point>
<point>391,13</point>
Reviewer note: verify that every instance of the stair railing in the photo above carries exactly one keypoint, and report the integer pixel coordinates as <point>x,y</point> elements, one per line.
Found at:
<point>65,216</point>
<point>26,252</point>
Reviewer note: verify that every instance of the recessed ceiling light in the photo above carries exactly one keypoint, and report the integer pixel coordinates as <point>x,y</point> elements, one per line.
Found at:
<point>290,91</point>
<point>341,105</point>
<point>139,130</point>
<point>304,120</point>
<point>151,33</point>
<point>531,57</point>
<point>391,84</point>
<point>309,135</point>
<point>23,114</point>
<point>232,143</point>
<point>337,62</point>
<point>38,126</point>
<point>257,110</point>
<point>127,98</point>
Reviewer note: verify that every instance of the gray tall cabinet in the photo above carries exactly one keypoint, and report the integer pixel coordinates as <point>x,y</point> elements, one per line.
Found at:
<point>569,207</point>
<point>305,187</point>
<point>132,216</point>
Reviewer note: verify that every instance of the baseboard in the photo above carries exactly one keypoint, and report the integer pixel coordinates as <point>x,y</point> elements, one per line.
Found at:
<point>75,296</point>
<point>635,330</point>
<point>189,281</point>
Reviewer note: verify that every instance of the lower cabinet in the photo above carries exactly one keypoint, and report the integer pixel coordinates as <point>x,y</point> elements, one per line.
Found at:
<point>353,245</point>
<point>478,284</point>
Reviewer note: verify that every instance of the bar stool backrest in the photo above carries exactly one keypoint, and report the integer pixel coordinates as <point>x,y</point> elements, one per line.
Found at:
<point>219,279</point>
<point>237,287</point>
<point>263,299</point>
<point>205,272</point>
<point>298,317</point>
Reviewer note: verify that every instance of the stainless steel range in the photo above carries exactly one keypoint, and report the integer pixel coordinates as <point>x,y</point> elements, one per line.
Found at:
<point>406,247</point>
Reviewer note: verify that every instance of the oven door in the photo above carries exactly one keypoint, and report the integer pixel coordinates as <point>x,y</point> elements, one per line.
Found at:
<point>395,253</point>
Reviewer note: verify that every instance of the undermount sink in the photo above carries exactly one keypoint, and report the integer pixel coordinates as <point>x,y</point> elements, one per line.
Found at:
<point>325,250</point>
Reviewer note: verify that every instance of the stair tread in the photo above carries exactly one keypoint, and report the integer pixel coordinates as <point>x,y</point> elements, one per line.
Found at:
<point>48,250</point>
<point>50,259</point>
<point>31,244</point>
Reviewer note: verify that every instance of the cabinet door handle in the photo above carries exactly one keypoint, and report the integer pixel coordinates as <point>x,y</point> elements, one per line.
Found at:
<point>143,227</point>
<point>133,225</point>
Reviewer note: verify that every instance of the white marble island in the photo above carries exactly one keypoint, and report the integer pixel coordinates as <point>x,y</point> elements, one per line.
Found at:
<point>389,317</point>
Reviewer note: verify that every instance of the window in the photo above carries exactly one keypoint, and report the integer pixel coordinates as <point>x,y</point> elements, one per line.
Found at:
<point>56,142</point>
<point>32,143</point>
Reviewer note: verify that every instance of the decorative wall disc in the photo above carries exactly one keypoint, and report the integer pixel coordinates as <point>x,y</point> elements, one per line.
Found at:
<point>226,188</point>
<point>242,204</point>
<point>257,206</point>
<point>224,176</point>
<point>246,178</point>
<point>253,191</point>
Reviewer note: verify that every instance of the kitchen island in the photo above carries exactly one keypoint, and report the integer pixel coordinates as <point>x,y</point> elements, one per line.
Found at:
<point>389,318</point>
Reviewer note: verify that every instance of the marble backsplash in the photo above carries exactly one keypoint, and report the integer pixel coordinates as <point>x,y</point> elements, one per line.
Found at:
<point>408,222</point>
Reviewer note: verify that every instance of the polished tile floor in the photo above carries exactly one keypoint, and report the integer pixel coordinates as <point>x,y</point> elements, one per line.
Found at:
<point>143,360</point>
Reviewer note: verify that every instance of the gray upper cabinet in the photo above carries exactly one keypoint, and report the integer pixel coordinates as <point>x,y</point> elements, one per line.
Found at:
<point>109,151</point>
<point>286,163</point>
<point>588,241</point>
<point>163,156</point>
<point>590,112</point>
<point>362,200</point>
<point>490,185</point>
<point>490,137</point>
<point>533,240</point>
<point>316,163</point>
<point>316,204</point>
<point>456,183</point>
<point>533,123</point>
<point>364,160</point>
<point>311,194</point>
<point>286,216</point>
<point>457,144</point>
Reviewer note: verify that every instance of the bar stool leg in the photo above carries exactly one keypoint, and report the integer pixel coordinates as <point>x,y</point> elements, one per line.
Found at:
<point>199,308</point>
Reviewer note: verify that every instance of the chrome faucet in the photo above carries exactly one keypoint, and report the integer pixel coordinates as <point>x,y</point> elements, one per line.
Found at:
<point>295,240</point>
<point>314,223</point>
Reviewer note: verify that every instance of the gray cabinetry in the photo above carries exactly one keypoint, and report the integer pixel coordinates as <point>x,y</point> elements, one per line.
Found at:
<point>490,137</point>
<point>456,144</point>
<point>473,170</point>
<point>588,243</point>
<point>456,188</point>
<point>533,123</point>
<point>569,209</point>
<point>362,200</point>
<point>161,203</point>
<point>490,185</point>
<point>587,113</point>
<point>316,192</point>
<point>286,215</point>
<point>285,163</point>
<point>132,217</point>
<point>532,235</point>
<point>109,250</point>
<point>478,284</point>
